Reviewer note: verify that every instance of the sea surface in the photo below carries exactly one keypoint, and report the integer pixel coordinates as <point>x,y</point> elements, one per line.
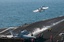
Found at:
<point>18,12</point>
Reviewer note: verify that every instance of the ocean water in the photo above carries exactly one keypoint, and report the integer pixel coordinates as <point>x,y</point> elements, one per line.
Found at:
<point>17,13</point>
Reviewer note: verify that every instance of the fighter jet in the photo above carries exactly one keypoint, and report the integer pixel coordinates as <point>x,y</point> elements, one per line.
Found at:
<point>42,8</point>
<point>23,34</point>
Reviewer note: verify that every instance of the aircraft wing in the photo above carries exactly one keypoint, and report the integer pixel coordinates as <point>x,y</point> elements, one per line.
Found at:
<point>36,10</point>
<point>27,36</point>
<point>45,8</point>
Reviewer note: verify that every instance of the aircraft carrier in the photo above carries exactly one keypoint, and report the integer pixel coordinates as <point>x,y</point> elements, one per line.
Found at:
<point>55,30</point>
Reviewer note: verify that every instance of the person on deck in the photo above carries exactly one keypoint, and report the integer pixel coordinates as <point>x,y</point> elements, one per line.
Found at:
<point>49,29</point>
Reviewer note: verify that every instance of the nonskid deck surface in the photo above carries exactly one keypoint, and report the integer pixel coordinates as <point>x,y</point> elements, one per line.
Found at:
<point>56,29</point>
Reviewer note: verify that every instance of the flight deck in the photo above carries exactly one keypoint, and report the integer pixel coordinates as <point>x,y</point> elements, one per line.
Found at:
<point>56,25</point>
